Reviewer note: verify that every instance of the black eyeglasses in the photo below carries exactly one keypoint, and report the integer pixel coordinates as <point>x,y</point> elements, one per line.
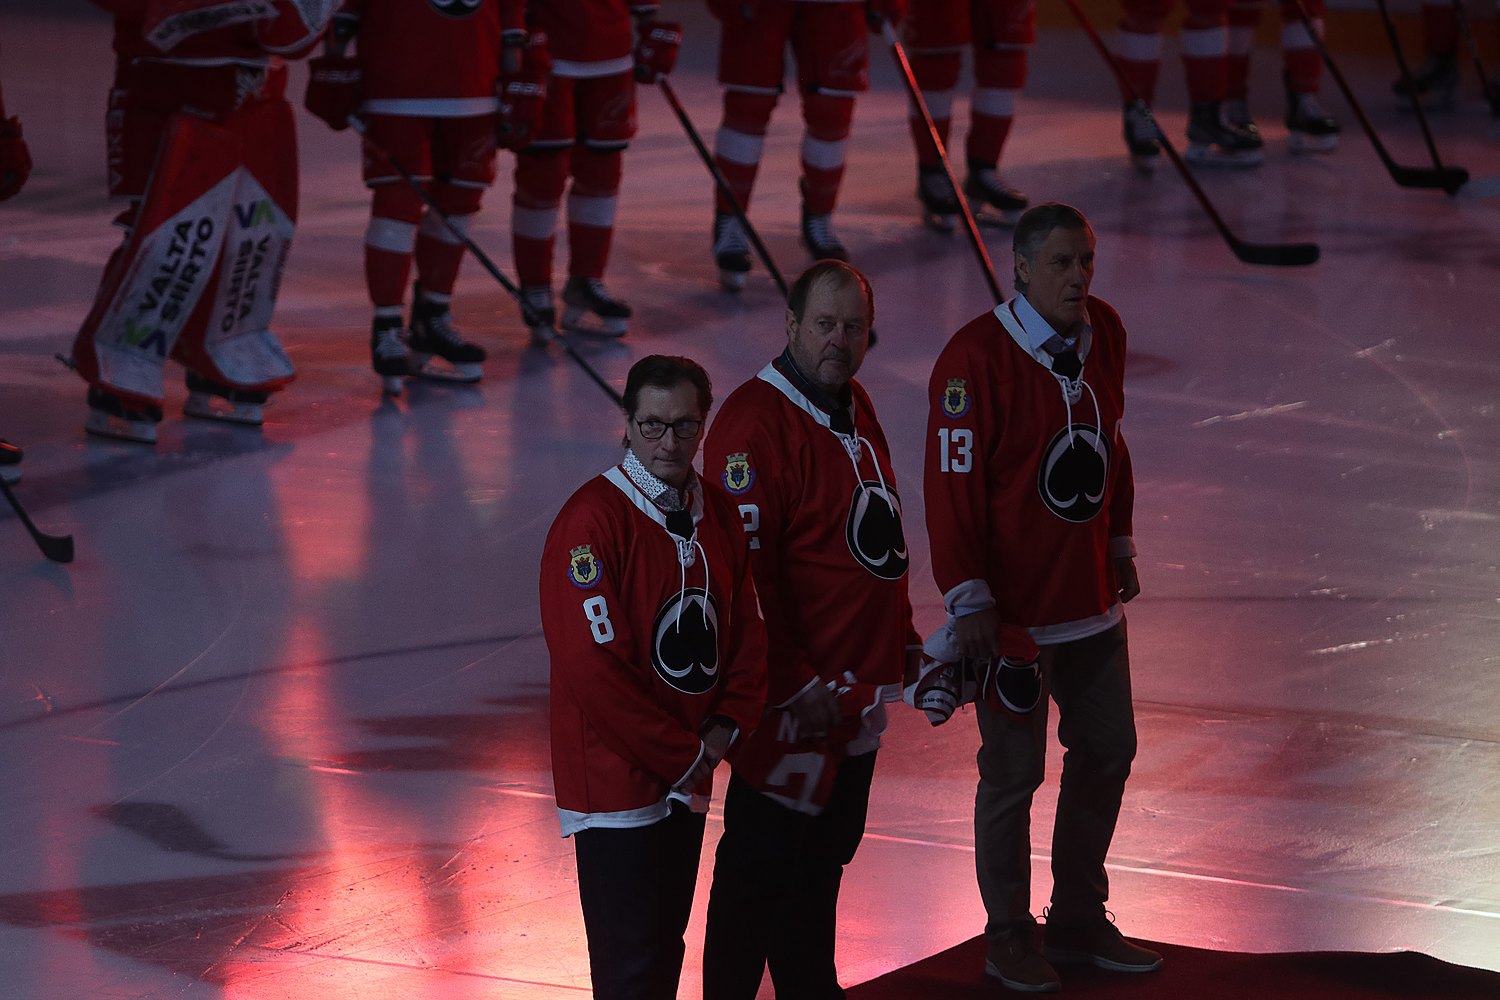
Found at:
<point>682,430</point>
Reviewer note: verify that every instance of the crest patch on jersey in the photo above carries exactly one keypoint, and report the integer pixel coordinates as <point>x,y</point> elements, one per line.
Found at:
<point>583,568</point>
<point>738,476</point>
<point>956,398</point>
<point>685,641</point>
<point>874,533</point>
<point>1074,473</point>
<point>456,8</point>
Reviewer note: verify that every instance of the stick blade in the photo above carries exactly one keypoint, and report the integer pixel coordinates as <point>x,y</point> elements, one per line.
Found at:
<point>1276,254</point>
<point>1448,179</point>
<point>59,549</point>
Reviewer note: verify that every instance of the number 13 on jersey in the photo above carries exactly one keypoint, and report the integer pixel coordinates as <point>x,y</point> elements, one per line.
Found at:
<point>955,449</point>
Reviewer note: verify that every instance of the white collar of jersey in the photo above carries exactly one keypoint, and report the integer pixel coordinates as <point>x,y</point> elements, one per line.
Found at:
<point>665,496</point>
<point>1028,329</point>
<point>783,385</point>
<point>646,505</point>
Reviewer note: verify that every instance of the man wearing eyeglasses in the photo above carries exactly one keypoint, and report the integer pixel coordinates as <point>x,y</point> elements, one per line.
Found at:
<point>658,665</point>
<point>801,452</point>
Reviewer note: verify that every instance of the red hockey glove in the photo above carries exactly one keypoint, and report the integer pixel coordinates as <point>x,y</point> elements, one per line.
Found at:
<point>879,11</point>
<point>333,89</point>
<point>523,95</point>
<point>15,161</point>
<point>656,50</point>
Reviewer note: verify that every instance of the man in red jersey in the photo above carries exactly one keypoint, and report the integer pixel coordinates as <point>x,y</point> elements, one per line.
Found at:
<point>202,142</point>
<point>803,455</point>
<point>658,666</point>
<point>15,166</point>
<point>1029,500</point>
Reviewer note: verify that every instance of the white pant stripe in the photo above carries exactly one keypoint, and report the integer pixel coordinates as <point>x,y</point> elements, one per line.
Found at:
<point>939,104</point>
<point>738,147</point>
<point>434,229</point>
<point>533,223</point>
<point>1295,36</point>
<point>390,235</point>
<point>1137,47</point>
<point>1205,43</point>
<point>590,211</point>
<point>996,102</point>
<point>822,154</point>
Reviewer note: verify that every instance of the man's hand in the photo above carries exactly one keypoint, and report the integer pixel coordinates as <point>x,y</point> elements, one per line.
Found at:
<point>1125,575</point>
<point>718,734</point>
<point>333,89</point>
<point>978,634</point>
<point>656,50</point>
<point>815,711</point>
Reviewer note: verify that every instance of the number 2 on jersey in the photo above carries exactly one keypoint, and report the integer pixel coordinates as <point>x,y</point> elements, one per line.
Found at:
<point>955,449</point>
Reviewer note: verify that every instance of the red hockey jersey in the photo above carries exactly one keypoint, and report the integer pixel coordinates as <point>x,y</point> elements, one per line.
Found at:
<point>648,636</point>
<point>824,521</point>
<point>588,38</point>
<point>215,32</point>
<point>1029,496</point>
<point>432,58</point>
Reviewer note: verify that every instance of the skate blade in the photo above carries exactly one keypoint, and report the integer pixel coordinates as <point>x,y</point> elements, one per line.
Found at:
<point>206,406</point>
<point>11,474</point>
<point>435,369</point>
<point>543,335</point>
<point>989,217</point>
<point>576,321</point>
<point>1212,156</point>
<point>390,385</point>
<point>119,429</point>
<point>732,281</point>
<point>1144,163</point>
<point>1301,142</point>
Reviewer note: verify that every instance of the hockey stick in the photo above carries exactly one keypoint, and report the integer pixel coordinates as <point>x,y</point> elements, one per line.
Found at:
<point>1416,103</point>
<point>58,548</point>
<point>898,52</point>
<point>722,184</point>
<point>527,313</point>
<point>1273,254</point>
<point>1449,179</point>
<point>1490,88</point>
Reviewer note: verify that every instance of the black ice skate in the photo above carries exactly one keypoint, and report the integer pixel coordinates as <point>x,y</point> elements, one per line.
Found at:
<point>820,239</point>
<point>991,199</point>
<point>438,351</point>
<point>540,316</point>
<point>1215,141</point>
<point>1309,128</point>
<point>731,251</point>
<point>211,400</point>
<point>1142,136</point>
<point>585,297</point>
<point>10,461</point>
<point>1434,83</point>
<point>112,417</point>
<point>940,206</point>
<point>388,353</point>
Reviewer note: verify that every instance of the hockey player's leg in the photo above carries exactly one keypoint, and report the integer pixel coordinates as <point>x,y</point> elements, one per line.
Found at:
<point>156,283</point>
<point>833,57</point>
<point>606,118</point>
<point>1244,18</point>
<point>238,359</point>
<point>464,163</point>
<point>1214,136</point>
<point>541,175</point>
<point>395,210</point>
<point>1435,81</point>
<point>935,33</point>
<point>752,62</point>
<point>1002,42</point>
<point>1139,47</point>
<point>1310,129</point>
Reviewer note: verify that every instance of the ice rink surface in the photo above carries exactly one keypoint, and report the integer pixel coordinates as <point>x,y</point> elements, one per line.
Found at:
<point>281,730</point>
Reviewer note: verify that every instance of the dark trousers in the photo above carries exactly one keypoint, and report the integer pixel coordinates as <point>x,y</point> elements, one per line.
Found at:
<point>776,890</point>
<point>1090,681</point>
<point>636,886</point>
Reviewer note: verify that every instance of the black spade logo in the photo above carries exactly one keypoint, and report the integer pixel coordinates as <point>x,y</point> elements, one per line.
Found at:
<point>874,531</point>
<point>685,652</point>
<point>1019,685</point>
<point>1074,473</point>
